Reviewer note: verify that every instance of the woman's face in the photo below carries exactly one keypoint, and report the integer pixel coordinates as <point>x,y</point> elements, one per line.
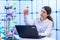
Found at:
<point>43,13</point>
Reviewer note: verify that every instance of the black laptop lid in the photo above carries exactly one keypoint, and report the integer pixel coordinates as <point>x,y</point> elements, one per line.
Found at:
<point>27,31</point>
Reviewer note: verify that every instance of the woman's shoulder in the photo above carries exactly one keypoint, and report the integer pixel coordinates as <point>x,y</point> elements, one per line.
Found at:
<point>49,21</point>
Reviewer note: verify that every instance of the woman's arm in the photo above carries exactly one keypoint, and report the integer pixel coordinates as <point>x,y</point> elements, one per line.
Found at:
<point>26,18</point>
<point>48,30</point>
<point>27,21</point>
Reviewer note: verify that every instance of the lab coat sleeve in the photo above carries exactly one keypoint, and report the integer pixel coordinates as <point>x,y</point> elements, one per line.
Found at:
<point>27,21</point>
<point>48,30</point>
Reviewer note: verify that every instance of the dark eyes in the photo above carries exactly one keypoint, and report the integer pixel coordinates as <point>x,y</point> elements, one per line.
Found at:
<point>43,11</point>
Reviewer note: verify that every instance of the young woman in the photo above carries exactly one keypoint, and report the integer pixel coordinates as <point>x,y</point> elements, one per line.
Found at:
<point>43,24</point>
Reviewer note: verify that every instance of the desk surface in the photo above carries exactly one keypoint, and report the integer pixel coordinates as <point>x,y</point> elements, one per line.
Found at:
<point>46,38</point>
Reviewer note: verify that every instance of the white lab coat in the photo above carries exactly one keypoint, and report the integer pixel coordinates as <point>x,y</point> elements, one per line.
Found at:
<point>44,28</point>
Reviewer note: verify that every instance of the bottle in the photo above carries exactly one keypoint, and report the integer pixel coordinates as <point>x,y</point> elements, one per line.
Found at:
<point>26,11</point>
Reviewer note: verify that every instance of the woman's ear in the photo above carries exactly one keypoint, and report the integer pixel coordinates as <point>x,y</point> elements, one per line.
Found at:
<point>48,15</point>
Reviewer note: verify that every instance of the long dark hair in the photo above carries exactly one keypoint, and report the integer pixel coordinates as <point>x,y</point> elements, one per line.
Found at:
<point>48,10</point>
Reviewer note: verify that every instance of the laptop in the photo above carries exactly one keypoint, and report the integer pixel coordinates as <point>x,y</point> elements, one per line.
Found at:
<point>27,31</point>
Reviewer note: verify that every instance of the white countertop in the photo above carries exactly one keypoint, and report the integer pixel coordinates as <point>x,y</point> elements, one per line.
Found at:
<point>46,38</point>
